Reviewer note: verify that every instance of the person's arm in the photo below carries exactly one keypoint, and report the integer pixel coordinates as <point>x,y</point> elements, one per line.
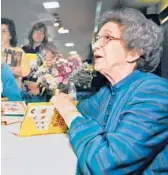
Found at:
<point>89,108</point>
<point>140,134</point>
<point>10,88</point>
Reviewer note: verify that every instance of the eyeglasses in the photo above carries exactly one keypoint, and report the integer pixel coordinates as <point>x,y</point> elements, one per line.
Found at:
<point>38,32</point>
<point>4,31</point>
<point>104,40</point>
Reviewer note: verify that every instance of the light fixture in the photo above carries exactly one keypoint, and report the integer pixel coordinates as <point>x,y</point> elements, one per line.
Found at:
<point>56,19</point>
<point>69,44</point>
<point>51,5</point>
<point>73,52</point>
<point>56,24</point>
<point>62,30</point>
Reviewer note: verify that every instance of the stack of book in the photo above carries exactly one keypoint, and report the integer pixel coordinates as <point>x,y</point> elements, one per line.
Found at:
<point>12,112</point>
<point>35,118</point>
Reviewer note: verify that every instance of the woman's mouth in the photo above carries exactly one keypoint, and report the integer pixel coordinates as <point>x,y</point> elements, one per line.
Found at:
<point>97,57</point>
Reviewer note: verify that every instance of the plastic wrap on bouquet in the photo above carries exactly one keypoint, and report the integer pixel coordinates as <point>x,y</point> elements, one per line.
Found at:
<point>42,118</point>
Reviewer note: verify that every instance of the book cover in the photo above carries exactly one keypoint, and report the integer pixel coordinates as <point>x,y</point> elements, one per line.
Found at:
<point>13,58</point>
<point>14,108</point>
<point>42,118</point>
<point>32,59</point>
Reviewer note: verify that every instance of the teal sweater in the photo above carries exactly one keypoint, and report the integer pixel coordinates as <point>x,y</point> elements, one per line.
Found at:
<point>124,129</point>
<point>9,85</point>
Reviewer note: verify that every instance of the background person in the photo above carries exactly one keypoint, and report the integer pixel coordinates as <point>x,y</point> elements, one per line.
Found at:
<point>10,88</point>
<point>37,36</point>
<point>36,93</point>
<point>9,42</point>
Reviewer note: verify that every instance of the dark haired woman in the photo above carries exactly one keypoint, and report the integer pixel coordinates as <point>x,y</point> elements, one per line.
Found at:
<point>8,48</point>
<point>36,37</point>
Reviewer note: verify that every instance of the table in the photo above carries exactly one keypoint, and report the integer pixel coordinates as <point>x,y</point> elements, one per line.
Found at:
<point>36,155</point>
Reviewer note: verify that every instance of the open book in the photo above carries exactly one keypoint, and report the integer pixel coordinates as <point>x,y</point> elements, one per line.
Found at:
<point>12,112</point>
<point>14,108</point>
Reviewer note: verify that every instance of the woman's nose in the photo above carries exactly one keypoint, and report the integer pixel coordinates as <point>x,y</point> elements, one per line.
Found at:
<point>95,45</point>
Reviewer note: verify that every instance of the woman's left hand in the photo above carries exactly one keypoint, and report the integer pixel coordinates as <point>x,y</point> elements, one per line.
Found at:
<point>63,104</point>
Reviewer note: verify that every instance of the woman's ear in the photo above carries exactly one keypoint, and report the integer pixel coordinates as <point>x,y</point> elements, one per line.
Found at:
<point>134,55</point>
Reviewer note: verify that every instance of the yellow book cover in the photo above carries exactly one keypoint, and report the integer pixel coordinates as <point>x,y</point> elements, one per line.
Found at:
<point>32,58</point>
<point>42,118</point>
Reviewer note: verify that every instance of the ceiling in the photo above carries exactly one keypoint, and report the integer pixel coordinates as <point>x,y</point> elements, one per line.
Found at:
<point>76,15</point>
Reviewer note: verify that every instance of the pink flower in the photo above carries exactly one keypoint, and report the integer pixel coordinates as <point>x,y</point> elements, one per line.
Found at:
<point>70,63</point>
<point>60,79</point>
<point>68,69</point>
<point>65,81</point>
<point>60,67</point>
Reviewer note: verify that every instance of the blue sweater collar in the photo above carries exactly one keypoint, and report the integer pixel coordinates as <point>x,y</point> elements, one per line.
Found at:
<point>127,81</point>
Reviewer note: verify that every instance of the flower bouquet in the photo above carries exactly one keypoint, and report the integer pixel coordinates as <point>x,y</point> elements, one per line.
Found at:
<point>58,77</point>
<point>83,78</point>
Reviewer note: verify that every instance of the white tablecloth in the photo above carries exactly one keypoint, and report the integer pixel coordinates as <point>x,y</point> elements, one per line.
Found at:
<point>36,155</point>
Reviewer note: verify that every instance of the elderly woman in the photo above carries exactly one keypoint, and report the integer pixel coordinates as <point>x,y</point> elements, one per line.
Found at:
<point>123,129</point>
<point>8,43</point>
<point>37,36</point>
<point>49,52</point>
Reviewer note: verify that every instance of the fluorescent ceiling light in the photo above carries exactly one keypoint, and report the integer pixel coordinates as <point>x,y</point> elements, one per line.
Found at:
<point>56,24</point>
<point>69,44</point>
<point>51,5</point>
<point>62,31</point>
<point>73,52</point>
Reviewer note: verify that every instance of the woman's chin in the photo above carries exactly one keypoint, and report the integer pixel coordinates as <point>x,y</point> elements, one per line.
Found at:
<point>98,67</point>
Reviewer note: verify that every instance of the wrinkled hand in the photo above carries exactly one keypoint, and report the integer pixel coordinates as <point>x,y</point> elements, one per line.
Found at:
<point>63,104</point>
